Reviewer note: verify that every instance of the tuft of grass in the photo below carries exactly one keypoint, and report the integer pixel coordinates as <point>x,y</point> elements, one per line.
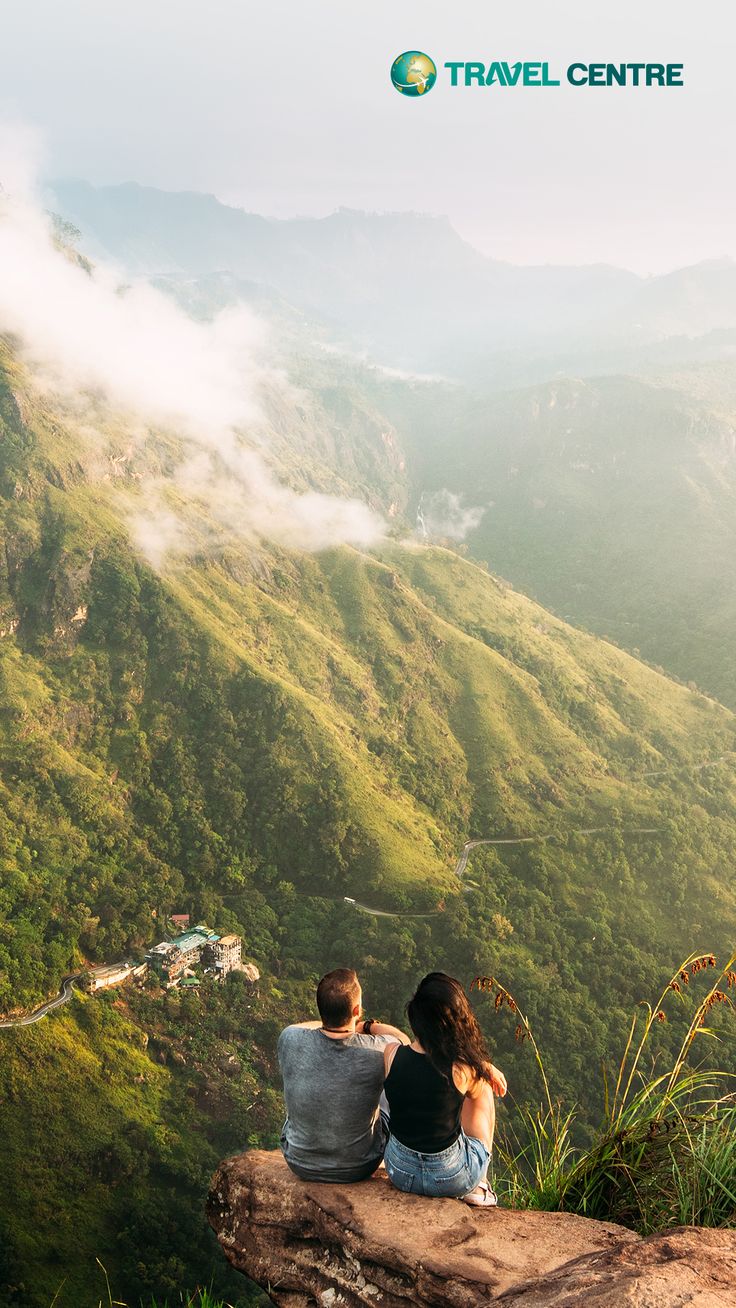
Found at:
<point>703,1189</point>
<point>665,1151</point>
<point>200,1299</point>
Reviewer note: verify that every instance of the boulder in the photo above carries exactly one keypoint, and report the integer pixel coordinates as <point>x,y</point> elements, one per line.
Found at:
<point>338,1246</point>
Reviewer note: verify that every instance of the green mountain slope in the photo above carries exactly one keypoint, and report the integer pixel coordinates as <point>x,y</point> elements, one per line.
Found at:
<point>340,718</point>
<point>612,500</point>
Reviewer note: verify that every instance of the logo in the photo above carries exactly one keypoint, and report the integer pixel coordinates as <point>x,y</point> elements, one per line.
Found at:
<point>413,73</point>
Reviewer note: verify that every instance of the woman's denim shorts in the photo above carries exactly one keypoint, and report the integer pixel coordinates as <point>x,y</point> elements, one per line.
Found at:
<point>452,1173</point>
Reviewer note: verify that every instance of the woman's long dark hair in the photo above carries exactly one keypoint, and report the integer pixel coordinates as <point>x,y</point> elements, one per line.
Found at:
<point>446,1026</point>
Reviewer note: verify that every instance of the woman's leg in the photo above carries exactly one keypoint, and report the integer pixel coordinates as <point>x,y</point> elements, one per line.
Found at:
<point>479,1116</point>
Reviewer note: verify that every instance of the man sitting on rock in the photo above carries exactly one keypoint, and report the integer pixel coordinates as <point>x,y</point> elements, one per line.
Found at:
<point>333,1072</point>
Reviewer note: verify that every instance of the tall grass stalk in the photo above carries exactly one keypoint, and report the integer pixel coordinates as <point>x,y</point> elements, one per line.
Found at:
<point>112,1303</point>
<point>538,1154</point>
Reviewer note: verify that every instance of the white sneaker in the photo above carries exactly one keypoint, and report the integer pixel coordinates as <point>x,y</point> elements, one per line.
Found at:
<point>481,1197</point>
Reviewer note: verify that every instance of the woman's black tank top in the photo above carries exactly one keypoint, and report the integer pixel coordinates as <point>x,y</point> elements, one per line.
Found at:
<point>425,1108</point>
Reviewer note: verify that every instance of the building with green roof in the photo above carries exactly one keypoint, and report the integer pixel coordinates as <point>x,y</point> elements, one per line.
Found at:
<point>171,958</point>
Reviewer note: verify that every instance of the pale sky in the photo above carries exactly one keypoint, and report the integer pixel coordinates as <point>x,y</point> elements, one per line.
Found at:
<point>285,107</point>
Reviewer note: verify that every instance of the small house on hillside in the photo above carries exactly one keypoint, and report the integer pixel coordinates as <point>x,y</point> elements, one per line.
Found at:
<point>112,974</point>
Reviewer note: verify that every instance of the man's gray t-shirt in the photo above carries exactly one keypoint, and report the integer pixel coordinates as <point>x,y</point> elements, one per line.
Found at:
<point>333,1130</point>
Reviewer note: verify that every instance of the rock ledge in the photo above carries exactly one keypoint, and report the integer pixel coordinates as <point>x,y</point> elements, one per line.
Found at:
<point>339,1246</point>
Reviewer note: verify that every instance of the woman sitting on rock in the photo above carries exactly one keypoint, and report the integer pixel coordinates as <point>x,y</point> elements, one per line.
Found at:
<point>440,1092</point>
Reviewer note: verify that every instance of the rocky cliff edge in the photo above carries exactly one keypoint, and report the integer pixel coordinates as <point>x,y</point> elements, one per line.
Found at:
<point>338,1246</point>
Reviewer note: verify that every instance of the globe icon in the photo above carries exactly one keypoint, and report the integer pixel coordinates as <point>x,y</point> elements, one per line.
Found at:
<point>413,73</point>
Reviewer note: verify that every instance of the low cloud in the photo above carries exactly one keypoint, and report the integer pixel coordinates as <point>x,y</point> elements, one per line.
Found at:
<point>441,516</point>
<point>91,340</point>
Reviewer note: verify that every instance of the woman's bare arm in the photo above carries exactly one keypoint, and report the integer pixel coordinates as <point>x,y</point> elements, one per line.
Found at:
<point>469,1084</point>
<point>389,1054</point>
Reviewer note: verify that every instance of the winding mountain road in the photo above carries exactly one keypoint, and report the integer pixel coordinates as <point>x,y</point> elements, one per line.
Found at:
<point>63,997</point>
<point>383,912</point>
<point>462,862</point>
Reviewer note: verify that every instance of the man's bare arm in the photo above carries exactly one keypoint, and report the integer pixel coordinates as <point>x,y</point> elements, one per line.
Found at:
<point>384,1029</point>
<point>377,1028</point>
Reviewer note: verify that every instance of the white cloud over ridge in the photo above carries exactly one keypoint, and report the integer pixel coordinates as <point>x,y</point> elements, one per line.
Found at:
<point>442,515</point>
<point>86,334</point>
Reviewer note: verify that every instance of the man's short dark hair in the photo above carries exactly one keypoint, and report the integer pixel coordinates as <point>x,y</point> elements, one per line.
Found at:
<point>337,994</point>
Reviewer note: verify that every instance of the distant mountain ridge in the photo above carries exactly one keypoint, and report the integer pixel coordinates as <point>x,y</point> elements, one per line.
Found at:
<point>402,283</point>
